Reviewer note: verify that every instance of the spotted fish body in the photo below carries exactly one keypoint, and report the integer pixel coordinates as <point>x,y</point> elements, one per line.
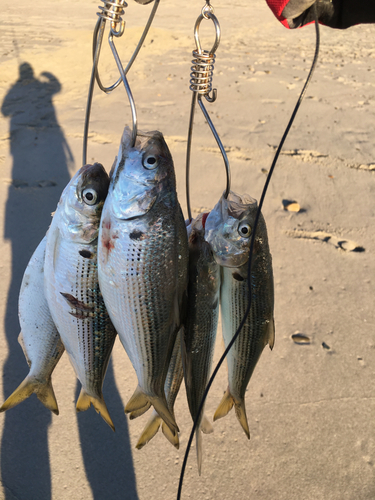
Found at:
<point>39,338</point>
<point>142,259</point>
<point>228,230</point>
<point>71,283</point>
<point>201,323</point>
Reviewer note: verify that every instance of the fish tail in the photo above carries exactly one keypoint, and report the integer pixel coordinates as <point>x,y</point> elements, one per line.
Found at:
<point>206,426</point>
<point>198,441</point>
<point>137,401</point>
<point>28,386</point>
<point>160,405</point>
<point>149,431</point>
<point>226,404</point>
<point>137,413</point>
<point>240,410</point>
<point>84,402</point>
<point>172,438</point>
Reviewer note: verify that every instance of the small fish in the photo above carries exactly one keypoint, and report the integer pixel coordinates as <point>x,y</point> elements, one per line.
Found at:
<point>201,324</point>
<point>228,230</point>
<point>71,284</point>
<point>39,338</point>
<point>171,388</point>
<point>142,260</point>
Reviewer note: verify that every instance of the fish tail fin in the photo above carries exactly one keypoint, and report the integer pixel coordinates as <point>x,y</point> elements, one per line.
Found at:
<point>160,405</point>
<point>28,386</point>
<point>198,441</point>
<point>172,437</point>
<point>137,401</point>
<point>84,402</point>
<point>240,410</point>
<point>137,413</point>
<point>206,426</point>
<point>226,404</point>
<point>46,395</point>
<point>149,431</point>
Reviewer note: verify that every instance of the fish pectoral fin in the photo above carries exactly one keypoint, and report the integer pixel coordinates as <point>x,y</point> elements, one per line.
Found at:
<point>137,413</point>
<point>27,387</point>
<point>271,333</point>
<point>172,438</point>
<point>206,426</point>
<point>84,402</point>
<point>137,401</point>
<point>149,431</point>
<point>226,404</point>
<point>240,410</point>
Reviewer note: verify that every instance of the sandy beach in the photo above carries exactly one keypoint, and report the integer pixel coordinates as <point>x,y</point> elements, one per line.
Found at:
<point>310,405</point>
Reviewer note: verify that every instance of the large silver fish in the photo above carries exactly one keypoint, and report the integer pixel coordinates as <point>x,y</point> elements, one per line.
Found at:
<point>228,230</point>
<point>201,324</point>
<point>171,388</point>
<point>142,259</point>
<point>39,338</point>
<point>71,284</point>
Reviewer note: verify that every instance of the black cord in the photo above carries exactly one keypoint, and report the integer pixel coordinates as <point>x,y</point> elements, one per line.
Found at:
<point>277,154</point>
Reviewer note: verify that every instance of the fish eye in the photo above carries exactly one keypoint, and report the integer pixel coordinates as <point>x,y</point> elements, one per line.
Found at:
<point>150,162</point>
<point>244,229</point>
<point>89,196</point>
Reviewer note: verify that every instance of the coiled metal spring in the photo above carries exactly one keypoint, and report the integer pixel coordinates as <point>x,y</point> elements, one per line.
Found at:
<point>112,10</point>
<point>202,72</point>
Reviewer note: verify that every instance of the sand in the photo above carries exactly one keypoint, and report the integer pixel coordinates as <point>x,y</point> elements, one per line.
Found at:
<point>311,406</point>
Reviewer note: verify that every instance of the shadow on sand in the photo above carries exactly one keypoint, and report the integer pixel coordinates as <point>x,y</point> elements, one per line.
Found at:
<point>41,161</point>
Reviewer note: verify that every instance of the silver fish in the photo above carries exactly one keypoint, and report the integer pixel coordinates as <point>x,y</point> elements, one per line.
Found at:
<point>228,231</point>
<point>171,388</point>
<point>71,284</point>
<point>142,260</point>
<point>39,338</point>
<point>201,324</point>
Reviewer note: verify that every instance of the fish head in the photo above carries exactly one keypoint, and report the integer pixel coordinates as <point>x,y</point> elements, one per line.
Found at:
<point>82,201</point>
<point>196,240</point>
<point>228,229</point>
<point>141,175</point>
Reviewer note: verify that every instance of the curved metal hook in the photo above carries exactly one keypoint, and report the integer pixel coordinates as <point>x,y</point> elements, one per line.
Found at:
<point>109,89</point>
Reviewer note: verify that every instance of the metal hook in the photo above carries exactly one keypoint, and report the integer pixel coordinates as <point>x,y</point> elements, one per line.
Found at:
<point>112,11</point>
<point>201,85</point>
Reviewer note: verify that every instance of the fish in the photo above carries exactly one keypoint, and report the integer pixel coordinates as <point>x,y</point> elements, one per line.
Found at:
<point>201,324</point>
<point>39,338</point>
<point>171,388</point>
<point>142,263</point>
<point>71,284</point>
<point>228,230</point>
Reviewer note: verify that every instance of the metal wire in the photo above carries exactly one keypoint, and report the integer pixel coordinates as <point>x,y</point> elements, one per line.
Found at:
<point>112,12</point>
<point>261,201</point>
<point>201,85</point>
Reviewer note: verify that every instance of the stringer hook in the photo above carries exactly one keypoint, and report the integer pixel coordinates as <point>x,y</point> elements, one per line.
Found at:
<point>201,85</point>
<point>112,12</point>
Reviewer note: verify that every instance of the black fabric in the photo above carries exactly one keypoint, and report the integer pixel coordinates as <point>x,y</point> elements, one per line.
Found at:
<point>338,14</point>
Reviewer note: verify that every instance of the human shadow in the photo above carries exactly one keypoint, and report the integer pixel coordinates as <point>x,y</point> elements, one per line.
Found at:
<point>39,173</point>
<point>41,163</point>
<point>106,454</point>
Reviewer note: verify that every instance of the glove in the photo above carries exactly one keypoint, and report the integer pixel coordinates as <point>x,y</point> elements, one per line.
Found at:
<point>334,13</point>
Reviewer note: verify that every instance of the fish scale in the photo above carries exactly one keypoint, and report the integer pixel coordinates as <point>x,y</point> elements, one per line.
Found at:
<point>142,260</point>
<point>228,230</point>
<point>71,284</point>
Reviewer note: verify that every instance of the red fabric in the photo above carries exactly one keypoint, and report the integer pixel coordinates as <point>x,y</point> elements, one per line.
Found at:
<point>277,6</point>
